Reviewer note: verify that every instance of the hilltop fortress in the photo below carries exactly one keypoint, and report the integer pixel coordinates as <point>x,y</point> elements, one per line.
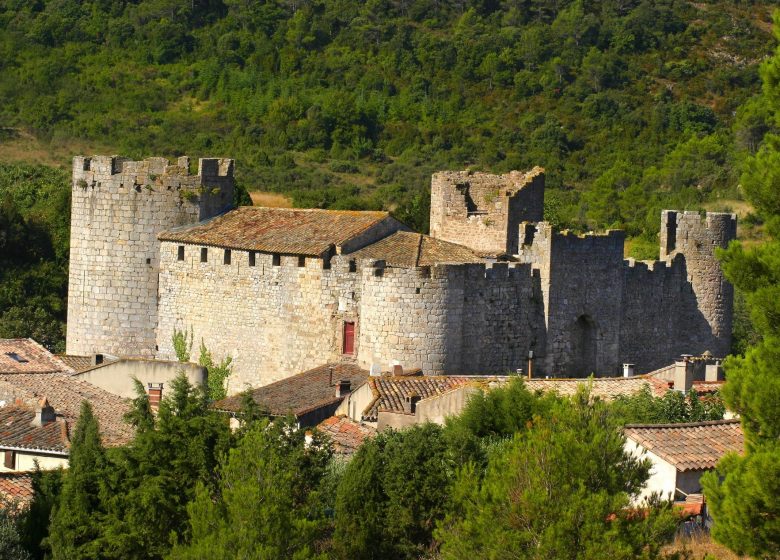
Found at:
<point>156,248</point>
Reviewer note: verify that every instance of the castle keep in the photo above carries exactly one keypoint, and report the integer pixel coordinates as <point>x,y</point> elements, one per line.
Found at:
<point>281,291</point>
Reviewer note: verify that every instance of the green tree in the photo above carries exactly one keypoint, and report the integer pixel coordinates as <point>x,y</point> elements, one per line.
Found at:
<point>559,490</point>
<point>76,523</point>
<point>267,503</point>
<point>217,374</point>
<point>47,487</point>
<point>10,535</point>
<point>743,491</point>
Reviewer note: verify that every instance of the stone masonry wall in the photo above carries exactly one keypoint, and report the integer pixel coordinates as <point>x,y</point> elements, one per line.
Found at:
<point>118,208</point>
<point>483,211</point>
<point>274,321</point>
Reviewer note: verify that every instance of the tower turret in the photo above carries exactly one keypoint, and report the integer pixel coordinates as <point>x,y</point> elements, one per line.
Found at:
<point>118,208</point>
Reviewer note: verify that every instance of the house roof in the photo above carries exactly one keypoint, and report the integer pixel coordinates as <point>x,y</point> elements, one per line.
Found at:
<point>76,363</point>
<point>345,434</point>
<point>278,230</point>
<point>390,392</point>
<point>604,387</point>
<point>692,446</point>
<point>65,394</point>
<point>407,249</point>
<point>18,431</point>
<point>15,487</point>
<point>24,355</point>
<point>301,393</point>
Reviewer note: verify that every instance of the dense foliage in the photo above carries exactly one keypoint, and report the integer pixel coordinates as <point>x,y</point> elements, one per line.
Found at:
<point>743,492</point>
<point>627,103</point>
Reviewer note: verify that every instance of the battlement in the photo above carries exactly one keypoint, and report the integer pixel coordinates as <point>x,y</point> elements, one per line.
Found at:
<point>690,232</point>
<point>154,166</point>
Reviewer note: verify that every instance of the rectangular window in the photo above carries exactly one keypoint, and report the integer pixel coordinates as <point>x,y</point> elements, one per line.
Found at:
<point>326,262</point>
<point>301,261</point>
<point>276,260</point>
<point>352,266</point>
<point>252,258</point>
<point>204,254</point>
<point>180,255</point>
<point>9,461</point>
<point>227,256</point>
<point>348,346</point>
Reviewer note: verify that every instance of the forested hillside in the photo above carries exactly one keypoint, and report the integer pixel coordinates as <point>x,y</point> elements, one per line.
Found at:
<point>630,105</point>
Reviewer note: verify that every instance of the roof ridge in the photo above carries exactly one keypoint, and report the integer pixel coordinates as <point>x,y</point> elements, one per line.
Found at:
<point>723,422</point>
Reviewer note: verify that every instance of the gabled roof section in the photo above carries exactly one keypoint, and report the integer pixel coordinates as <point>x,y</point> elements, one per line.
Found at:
<point>65,394</point>
<point>345,434</point>
<point>24,355</point>
<point>692,446</point>
<point>17,431</point>
<point>291,231</point>
<point>301,393</point>
<point>606,388</point>
<point>407,249</point>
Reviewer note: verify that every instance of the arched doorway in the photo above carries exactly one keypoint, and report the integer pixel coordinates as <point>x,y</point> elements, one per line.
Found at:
<point>584,347</point>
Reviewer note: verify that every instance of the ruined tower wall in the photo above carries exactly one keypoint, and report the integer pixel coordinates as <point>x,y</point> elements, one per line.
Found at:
<point>696,238</point>
<point>483,211</point>
<point>272,320</point>
<point>118,208</point>
<point>452,319</point>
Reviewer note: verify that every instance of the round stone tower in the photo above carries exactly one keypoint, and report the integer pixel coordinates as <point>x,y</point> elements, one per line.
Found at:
<point>118,209</point>
<point>696,238</point>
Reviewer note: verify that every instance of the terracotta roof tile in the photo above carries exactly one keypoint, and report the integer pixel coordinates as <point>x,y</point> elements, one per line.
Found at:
<point>17,431</point>
<point>604,387</point>
<point>15,487</point>
<point>407,249</point>
<point>692,446</point>
<point>65,394</point>
<point>278,230</point>
<point>345,434</point>
<point>390,392</point>
<point>302,392</point>
<point>83,363</point>
<point>24,355</point>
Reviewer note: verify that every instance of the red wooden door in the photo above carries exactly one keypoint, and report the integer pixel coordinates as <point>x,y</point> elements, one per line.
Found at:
<point>349,338</point>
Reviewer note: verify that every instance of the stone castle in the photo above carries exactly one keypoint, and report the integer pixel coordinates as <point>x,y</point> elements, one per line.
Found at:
<point>156,248</point>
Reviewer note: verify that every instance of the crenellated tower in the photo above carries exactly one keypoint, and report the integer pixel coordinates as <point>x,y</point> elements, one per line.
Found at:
<point>118,208</point>
<point>696,237</point>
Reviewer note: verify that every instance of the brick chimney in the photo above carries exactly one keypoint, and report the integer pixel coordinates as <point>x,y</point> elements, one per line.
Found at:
<point>155,395</point>
<point>44,413</point>
<point>343,388</point>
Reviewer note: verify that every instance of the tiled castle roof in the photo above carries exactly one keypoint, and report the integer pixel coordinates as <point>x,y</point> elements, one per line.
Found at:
<point>65,394</point>
<point>24,355</point>
<point>407,249</point>
<point>345,434</point>
<point>278,230</point>
<point>692,446</point>
<point>301,393</point>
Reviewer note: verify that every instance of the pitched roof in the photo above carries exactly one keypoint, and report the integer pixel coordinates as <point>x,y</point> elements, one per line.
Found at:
<point>15,487</point>
<point>302,392</point>
<point>692,446</point>
<point>345,434</point>
<point>18,431</point>
<point>407,249</point>
<point>65,394</point>
<point>390,392</point>
<point>278,230</point>
<point>604,387</point>
<point>24,355</point>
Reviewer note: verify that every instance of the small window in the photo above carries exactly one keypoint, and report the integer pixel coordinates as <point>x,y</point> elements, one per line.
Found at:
<point>204,254</point>
<point>352,266</point>
<point>348,341</point>
<point>148,261</point>
<point>227,257</point>
<point>16,357</point>
<point>326,262</point>
<point>180,254</point>
<point>9,461</point>
<point>252,260</point>
<point>301,261</point>
<point>276,260</point>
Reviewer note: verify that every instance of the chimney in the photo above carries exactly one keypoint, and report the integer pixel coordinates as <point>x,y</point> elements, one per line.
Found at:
<point>155,395</point>
<point>398,369</point>
<point>713,372</point>
<point>683,374</point>
<point>343,388</point>
<point>44,413</point>
<point>628,370</point>
<point>410,403</point>
<point>97,359</point>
